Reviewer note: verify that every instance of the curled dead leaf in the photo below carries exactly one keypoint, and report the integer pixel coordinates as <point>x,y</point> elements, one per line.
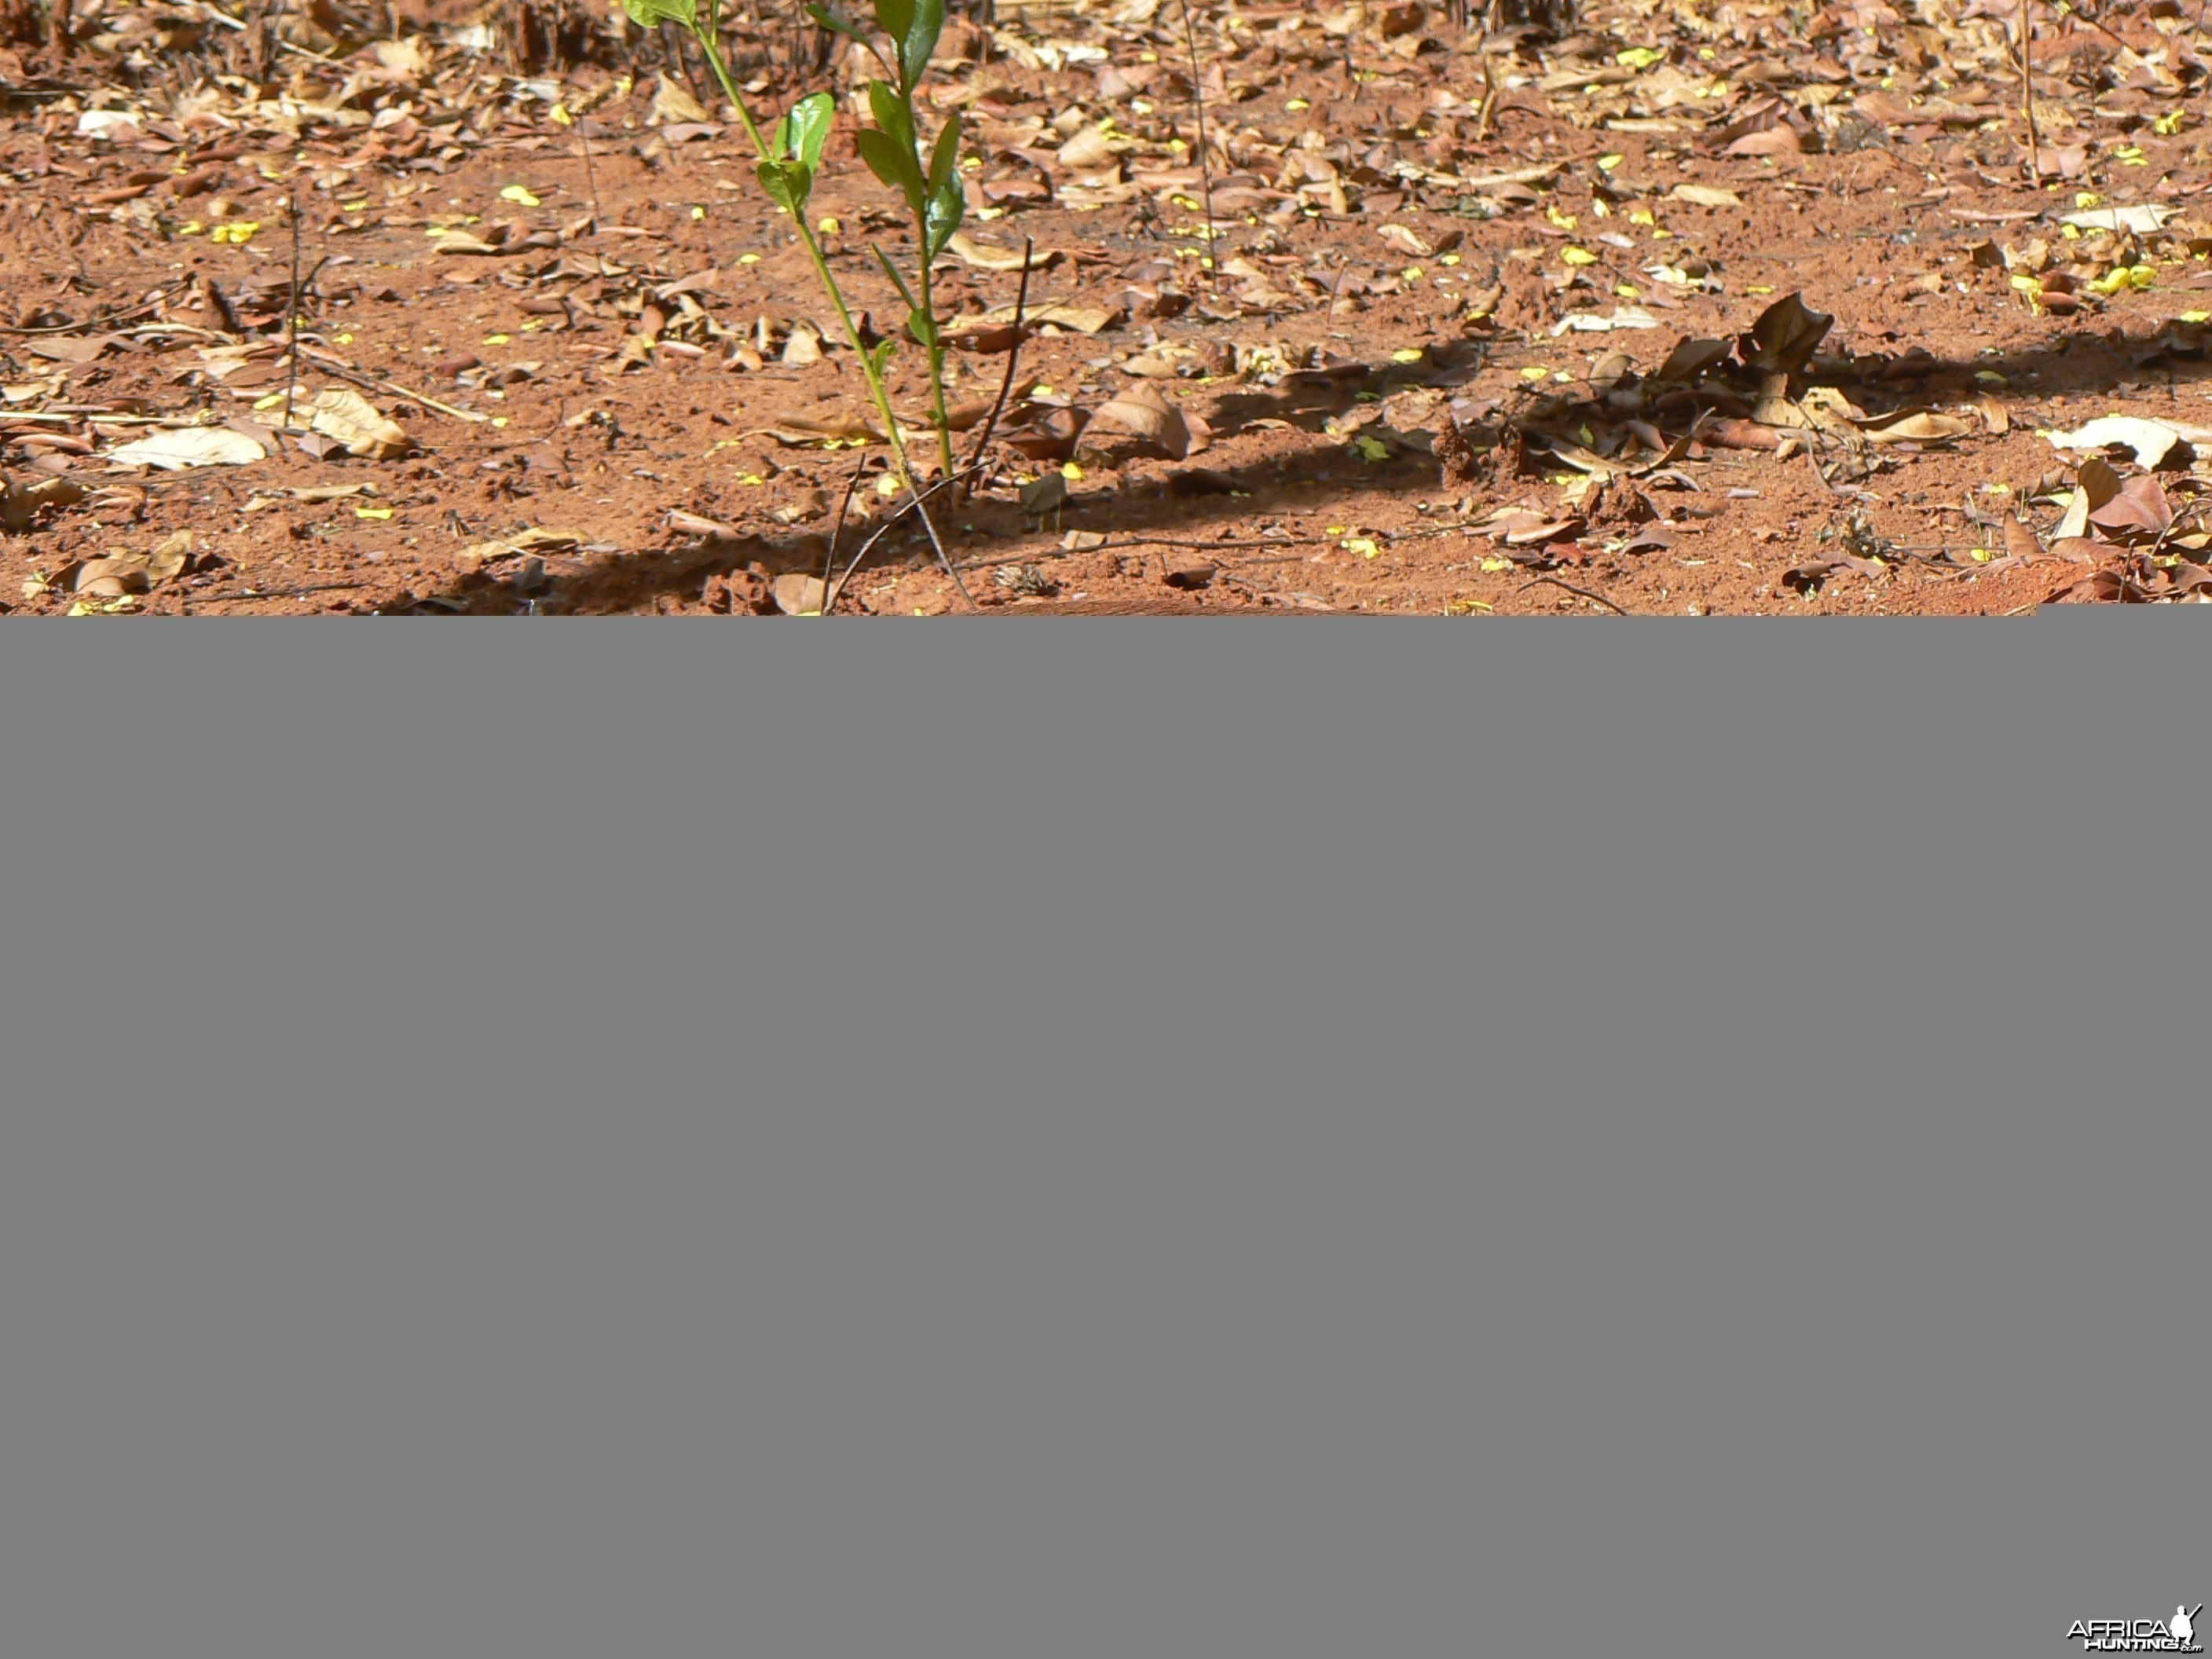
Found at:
<point>985,257</point>
<point>2020,542</point>
<point>171,559</point>
<point>21,505</point>
<point>2151,442</point>
<point>342,414</point>
<point>1087,151</point>
<point>1913,425</point>
<point>114,576</point>
<point>672,103</point>
<point>1143,414</point>
<point>1783,340</point>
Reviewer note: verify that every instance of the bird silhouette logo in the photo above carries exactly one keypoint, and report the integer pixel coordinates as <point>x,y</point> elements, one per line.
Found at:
<point>2184,1626</point>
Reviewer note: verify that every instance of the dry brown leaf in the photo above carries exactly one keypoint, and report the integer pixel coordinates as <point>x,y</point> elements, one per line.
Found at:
<point>1913,425</point>
<point>2150,441</point>
<point>693,523</point>
<point>1773,140</point>
<point>2019,541</point>
<point>1406,240</point>
<point>798,595</point>
<point>672,103</point>
<point>1783,338</point>
<point>113,577</point>
<point>799,429</point>
<point>171,559</point>
<point>177,448</point>
<point>1155,421</point>
<point>1087,151</point>
<point>342,413</point>
<point>21,504</point>
<point>984,257</point>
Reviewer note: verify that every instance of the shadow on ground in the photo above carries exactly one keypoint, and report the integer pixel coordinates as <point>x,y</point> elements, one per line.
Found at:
<point>1157,510</point>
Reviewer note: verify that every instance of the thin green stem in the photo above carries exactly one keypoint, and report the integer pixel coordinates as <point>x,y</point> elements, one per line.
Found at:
<point>711,48</point>
<point>876,390</point>
<point>935,345</point>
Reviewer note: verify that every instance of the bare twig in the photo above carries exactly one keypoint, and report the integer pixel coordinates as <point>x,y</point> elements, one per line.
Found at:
<point>1013,357</point>
<point>844,506</point>
<point>346,371</point>
<point>912,504</point>
<point>101,321</point>
<point>1579,593</point>
<point>1486,118</point>
<point>591,175</point>
<point>2027,96</point>
<point>1205,165</point>
<point>292,368</point>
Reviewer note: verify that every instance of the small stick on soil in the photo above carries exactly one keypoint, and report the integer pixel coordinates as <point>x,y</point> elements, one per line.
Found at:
<point>844,505</point>
<point>100,321</point>
<point>1579,593</point>
<point>1013,357</point>
<point>1485,118</point>
<point>591,176</point>
<point>912,504</point>
<point>345,371</point>
<point>1205,166</point>
<point>292,370</point>
<point>2027,96</point>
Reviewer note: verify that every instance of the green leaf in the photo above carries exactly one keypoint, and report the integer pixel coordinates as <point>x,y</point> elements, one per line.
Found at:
<point>806,129</point>
<point>946,156</point>
<point>651,13</point>
<point>918,40</point>
<point>882,353</point>
<point>897,281</point>
<point>826,18</point>
<point>895,160</point>
<point>895,17</point>
<point>786,184</point>
<point>893,117</point>
<point>947,205</point>
<point>922,326</point>
<point>885,158</point>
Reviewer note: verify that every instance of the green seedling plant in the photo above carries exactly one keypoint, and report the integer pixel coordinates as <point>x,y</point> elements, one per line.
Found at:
<point>791,156</point>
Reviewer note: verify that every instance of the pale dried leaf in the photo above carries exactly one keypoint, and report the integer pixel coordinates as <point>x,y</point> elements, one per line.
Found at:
<point>985,257</point>
<point>1914,426</point>
<point>1087,151</point>
<point>2141,217</point>
<point>670,103</point>
<point>192,446</point>
<point>2151,441</point>
<point>798,595</point>
<point>342,414</point>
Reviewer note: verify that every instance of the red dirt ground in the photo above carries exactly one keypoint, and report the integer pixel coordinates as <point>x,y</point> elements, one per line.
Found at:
<point>1340,338</point>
